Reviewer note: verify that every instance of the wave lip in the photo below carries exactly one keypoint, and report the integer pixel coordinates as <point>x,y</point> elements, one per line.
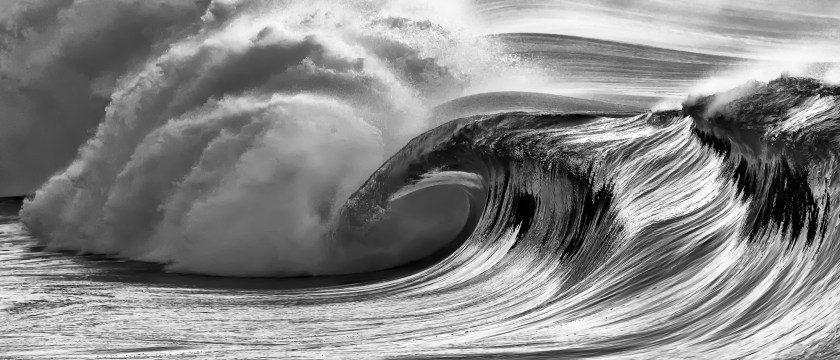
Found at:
<point>507,191</point>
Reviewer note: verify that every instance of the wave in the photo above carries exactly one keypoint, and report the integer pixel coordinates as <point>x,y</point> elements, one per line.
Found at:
<point>229,150</point>
<point>709,229</point>
<point>715,224</point>
<point>382,141</point>
<point>760,146</point>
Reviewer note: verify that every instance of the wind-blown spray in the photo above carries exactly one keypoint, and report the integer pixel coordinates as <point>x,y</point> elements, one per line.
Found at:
<point>231,151</point>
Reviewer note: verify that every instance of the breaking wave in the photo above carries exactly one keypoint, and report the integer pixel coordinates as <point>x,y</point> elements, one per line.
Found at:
<point>715,224</point>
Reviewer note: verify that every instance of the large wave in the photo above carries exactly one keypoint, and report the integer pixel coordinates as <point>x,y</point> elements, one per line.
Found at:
<point>607,234</point>
<point>236,142</point>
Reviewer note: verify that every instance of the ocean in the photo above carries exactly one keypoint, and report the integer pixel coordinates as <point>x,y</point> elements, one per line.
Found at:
<point>382,179</point>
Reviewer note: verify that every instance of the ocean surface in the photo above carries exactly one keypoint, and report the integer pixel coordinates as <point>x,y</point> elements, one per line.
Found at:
<point>225,179</point>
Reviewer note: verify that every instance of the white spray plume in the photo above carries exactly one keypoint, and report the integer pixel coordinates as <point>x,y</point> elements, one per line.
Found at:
<point>230,151</point>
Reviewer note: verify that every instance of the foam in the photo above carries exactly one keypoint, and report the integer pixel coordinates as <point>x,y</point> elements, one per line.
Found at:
<point>232,151</point>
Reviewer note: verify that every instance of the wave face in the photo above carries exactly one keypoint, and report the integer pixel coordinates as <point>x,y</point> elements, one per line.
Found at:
<point>714,226</point>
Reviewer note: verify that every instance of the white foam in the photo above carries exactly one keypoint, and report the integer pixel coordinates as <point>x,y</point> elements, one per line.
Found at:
<point>231,152</point>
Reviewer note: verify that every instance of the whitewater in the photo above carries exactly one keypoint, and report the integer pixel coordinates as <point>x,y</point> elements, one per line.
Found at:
<point>385,179</point>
